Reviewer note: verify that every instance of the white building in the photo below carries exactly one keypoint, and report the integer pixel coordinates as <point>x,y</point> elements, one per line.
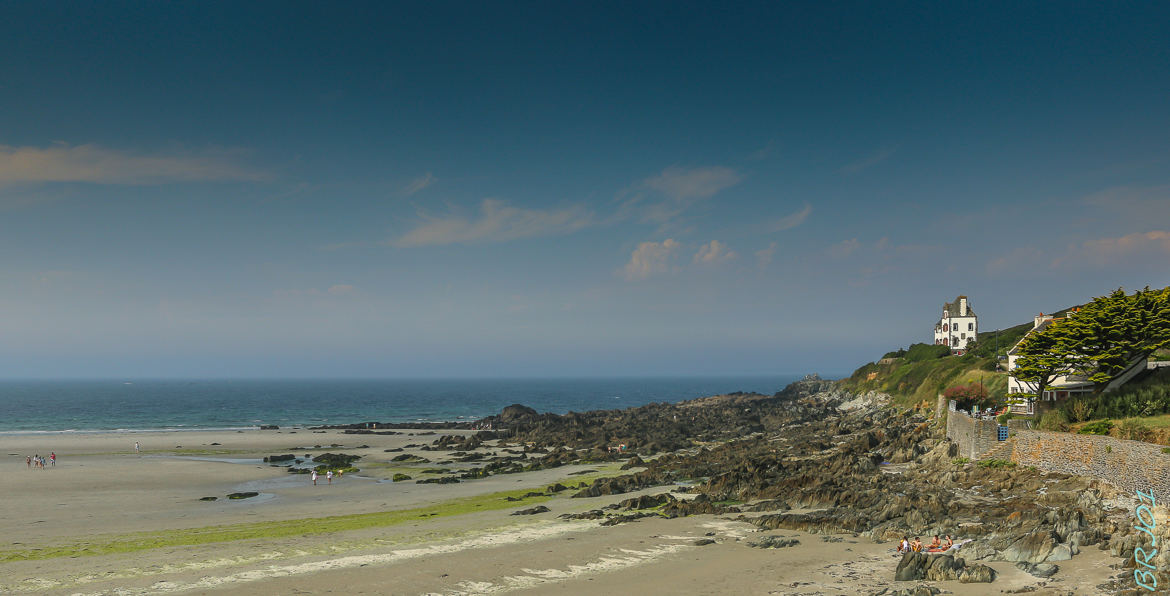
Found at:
<point>957,326</point>
<point>1066,385</point>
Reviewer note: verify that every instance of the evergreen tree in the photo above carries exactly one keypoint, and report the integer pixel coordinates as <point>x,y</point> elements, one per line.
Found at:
<point>1040,359</point>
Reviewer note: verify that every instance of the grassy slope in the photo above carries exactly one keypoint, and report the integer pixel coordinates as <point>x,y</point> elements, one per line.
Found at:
<point>919,383</point>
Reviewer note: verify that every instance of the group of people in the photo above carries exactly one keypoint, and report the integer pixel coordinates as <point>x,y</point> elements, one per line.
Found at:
<point>38,462</point>
<point>916,546</point>
<point>328,476</point>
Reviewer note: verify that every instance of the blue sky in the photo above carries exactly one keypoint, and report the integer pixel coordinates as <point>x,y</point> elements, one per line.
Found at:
<point>563,189</point>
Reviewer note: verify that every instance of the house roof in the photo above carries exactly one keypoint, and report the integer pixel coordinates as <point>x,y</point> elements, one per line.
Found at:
<point>1042,325</point>
<point>952,308</point>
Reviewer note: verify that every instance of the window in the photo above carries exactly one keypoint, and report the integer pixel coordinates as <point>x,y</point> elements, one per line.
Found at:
<point>970,326</point>
<point>954,326</point>
<point>964,336</point>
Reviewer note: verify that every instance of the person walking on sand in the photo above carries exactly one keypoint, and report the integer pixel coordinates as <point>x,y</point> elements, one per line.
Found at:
<point>28,461</point>
<point>53,458</point>
<point>136,447</point>
<point>314,477</point>
<point>329,477</point>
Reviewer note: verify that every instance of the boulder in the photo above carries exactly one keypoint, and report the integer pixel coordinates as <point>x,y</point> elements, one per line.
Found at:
<point>944,567</point>
<point>1032,548</point>
<point>912,567</point>
<point>1060,552</point>
<point>977,574</point>
<point>1044,570</point>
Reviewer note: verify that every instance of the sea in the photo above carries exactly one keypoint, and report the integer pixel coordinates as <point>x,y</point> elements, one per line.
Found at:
<point>136,405</point>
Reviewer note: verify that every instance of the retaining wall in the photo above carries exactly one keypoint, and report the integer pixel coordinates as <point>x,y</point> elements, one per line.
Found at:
<point>973,436</point>
<point>1128,465</point>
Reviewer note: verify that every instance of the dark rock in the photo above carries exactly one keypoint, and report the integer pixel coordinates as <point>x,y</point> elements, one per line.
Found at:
<point>208,498</point>
<point>703,542</point>
<point>243,495</point>
<point>439,480</point>
<point>774,542</point>
<point>532,510</point>
<point>977,574</point>
<point>1044,570</point>
<point>912,567</point>
<point>279,458</point>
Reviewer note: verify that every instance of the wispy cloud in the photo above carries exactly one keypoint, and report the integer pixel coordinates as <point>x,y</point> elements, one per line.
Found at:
<point>1138,250</point>
<point>844,248</point>
<point>1112,250</point>
<point>870,160</point>
<point>764,257</point>
<point>681,187</point>
<point>650,258</point>
<point>341,290</point>
<point>496,222</point>
<point>696,183</point>
<point>714,252</point>
<point>418,184</point>
<point>792,220</point>
<point>100,165</point>
<point>1138,203</point>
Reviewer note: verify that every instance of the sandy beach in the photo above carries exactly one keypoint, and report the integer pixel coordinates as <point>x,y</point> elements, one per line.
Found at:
<point>106,520</point>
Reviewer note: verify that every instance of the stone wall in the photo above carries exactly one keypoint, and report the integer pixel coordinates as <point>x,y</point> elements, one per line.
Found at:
<point>973,436</point>
<point>1128,465</point>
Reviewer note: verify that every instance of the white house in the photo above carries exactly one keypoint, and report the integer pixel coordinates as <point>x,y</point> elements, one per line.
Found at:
<point>957,326</point>
<point>1067,385</point>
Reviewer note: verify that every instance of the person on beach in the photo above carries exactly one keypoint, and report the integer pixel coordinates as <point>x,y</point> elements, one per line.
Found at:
<point>53,459</point>
<point>329,477</point>
<point>136,447</point>
<point>936,544</point>
<point>28,461</point>
<point>904,546</point>
<point>948,543</point>
<point>916,546</point>
<point>314,477</point>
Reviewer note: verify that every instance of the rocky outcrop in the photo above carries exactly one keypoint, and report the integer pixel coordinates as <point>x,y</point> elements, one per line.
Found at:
<point>917,566</point>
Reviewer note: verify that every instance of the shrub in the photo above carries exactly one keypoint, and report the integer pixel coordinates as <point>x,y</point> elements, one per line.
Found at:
<point>967,396</point>
<point>1109,449</point>
<point>920,352</point>
<point>401,477</point>
<point>959,461</point>
<point>1054,420</point>
<point>1002,419</point>
<point>1080,409</point>
<point>1166,450</point>
<point>1133,430</point>
<point>996,464</point>
<point>1100,427</point>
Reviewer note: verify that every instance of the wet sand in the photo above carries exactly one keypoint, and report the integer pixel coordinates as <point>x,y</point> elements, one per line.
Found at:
<point>101,488</point>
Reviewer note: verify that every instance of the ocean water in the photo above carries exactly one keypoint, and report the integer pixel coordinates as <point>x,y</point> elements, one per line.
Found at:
<point>109,405</point>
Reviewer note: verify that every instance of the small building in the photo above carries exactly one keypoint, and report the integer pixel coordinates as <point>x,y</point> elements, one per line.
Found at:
<point>1064,386</point>
<point>957,327</point>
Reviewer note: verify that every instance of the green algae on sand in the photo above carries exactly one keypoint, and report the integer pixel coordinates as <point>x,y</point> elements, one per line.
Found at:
<point>139,541</point>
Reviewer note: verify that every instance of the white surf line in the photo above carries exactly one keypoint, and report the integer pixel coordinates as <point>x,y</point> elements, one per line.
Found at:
<point>526,534</point>
<point>542,577</point>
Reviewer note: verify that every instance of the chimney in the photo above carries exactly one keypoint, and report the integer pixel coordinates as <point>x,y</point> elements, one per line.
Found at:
<point>962,306</point>
<point>1040,318</point>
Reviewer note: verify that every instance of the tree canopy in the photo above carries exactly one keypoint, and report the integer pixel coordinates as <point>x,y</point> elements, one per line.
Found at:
<point>1098,341</point>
